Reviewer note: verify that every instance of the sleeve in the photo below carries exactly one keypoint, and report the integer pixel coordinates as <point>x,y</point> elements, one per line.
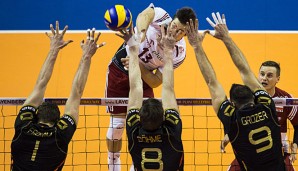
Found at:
<point>225,114</point>
<point>26,115</point>
<point>161,16</point>
<point>66,127</point>
<point>132,119</point>
<point>173,121</point>
<point>262,97</point>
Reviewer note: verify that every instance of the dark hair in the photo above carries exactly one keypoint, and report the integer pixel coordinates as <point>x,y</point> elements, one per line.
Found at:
<point>48,112</point>
<point>272,64</point>
<point>185,14</point>
<point>241,94</point>
<point>151,114</point>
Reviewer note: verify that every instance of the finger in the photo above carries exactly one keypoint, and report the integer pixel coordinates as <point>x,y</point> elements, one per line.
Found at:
<point>52,29</point>
<point>123,60</point>
<point>188,28</point>
<point>214,18</point>
<point>64,30</point>
<point>158,37</point>
<point>122,31</point>
<point>97,37</point>
<point>92,34</point>
<point>120,35</point>
<point>69,41</point>
<point>57,27</point>
<point>191,25</point>
<point>88,34</point>
<point>224,19</point>
<point>197,25</point>
<point>131,30</point>
<point>47,34</point>
<point>101,45</point>
<point>210,22</point>
<point>82,43</point>
<point>162,30</point>
<point>219,18</point>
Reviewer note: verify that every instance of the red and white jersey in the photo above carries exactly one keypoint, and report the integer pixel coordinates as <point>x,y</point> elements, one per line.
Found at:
<point>150,54</point>
<point>284,112</point>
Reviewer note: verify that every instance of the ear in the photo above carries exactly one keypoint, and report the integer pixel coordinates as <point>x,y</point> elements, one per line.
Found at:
<point>278,78</point>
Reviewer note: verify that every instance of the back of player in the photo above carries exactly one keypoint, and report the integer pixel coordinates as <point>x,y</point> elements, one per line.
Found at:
<point>158,150</point>
<point>46,147</point>
<point>255,136</point>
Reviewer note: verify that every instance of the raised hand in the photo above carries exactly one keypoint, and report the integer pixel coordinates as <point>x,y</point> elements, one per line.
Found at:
<point>56,38</point>
<point>90,46</point>
<point>194,37</point>
<point>219,25</point>
<point>168,37</point>
<point>126,34</point>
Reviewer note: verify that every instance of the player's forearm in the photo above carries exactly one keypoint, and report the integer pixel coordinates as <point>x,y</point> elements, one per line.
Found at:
<point>144,19</point>
<point>134,69</point>
<point>236,55</point>
<point>81,76</point>
<point>168,76</point>
<point>47,69</point>
<point>205,66</point>
<point>168,93</point>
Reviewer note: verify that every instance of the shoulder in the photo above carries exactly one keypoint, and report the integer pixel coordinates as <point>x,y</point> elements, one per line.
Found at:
<point>281,93</point>
<point>133,117</point>
<point>226,108</point>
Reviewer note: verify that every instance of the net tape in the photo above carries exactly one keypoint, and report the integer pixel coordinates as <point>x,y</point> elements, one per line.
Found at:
<point>124,101</point>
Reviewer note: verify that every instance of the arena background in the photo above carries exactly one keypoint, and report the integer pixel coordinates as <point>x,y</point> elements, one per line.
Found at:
<point>264,30</point>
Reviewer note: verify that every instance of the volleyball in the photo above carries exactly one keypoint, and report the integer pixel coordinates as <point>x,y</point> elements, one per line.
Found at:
<point>118,17</point>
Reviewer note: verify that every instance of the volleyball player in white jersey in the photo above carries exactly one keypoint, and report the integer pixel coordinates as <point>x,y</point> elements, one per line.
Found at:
<point>149,22</point>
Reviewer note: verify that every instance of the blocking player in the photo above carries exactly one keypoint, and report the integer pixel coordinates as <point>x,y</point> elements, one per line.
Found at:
<point>41,136</point>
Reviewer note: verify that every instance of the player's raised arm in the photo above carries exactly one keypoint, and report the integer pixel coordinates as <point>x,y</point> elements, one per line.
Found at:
<point>144,19</point>
<point>135,80</point>
<point>168,42</point>
<point>222,33</point>
<point>56,44</point>
<point>215,88</point>
<point>89,49</point>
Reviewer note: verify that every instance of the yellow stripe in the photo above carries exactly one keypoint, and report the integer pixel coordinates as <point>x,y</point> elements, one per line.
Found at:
<point>107,16</point>
<point>121,14</point>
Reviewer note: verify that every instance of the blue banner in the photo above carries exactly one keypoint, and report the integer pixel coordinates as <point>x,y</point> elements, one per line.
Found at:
<point>273,15</point>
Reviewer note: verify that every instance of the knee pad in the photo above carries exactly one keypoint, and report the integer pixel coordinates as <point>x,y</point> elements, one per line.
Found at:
<point>116,128</point>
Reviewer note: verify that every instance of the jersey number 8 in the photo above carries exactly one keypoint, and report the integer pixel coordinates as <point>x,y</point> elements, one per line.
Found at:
<point>151,160</point>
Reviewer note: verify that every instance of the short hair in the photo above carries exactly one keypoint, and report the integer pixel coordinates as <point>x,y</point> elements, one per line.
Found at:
<point>48,112</point>
<point>151,114</point>
<point>241,94</point>
<point>185,14</point>
<point>272,64</point>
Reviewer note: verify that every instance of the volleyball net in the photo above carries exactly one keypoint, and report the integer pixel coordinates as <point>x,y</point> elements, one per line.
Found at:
<point>201,135</point>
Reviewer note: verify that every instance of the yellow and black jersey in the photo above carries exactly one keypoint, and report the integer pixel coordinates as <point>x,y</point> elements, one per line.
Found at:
<point>254,133</point>
<point>38,147</point>
<point>161,149</point>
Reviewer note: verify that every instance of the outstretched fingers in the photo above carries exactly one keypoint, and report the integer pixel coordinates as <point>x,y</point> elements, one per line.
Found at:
<point>57,27</point>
